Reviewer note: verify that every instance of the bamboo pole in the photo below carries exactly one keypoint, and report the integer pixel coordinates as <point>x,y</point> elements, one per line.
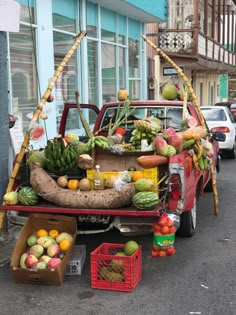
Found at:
<point>78,38</point>
<point>197,106</point>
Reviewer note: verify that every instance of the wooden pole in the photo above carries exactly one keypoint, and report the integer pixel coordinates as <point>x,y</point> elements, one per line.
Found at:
<point>197,106</point>
<point>79,37</point>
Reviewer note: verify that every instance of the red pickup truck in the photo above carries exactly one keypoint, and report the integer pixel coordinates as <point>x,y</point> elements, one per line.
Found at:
<point>179,192</point>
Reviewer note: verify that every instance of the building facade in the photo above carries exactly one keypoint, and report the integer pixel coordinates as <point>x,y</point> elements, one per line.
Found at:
<point>110,57</point>
<point>200,36</point>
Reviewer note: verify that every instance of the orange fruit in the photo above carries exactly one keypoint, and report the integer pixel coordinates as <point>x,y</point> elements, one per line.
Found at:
<point>73,184</point>
<point>165,229</point>
<point>53,233</point>
<point>136,175</point>
<point>65,245</point>
<point>41,232</point>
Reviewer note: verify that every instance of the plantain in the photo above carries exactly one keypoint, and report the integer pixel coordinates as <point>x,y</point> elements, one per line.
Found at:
<point>187,144</point>
<point>58,164</point>
<point>200,149</point>
<point>195,161</point>
<point>201,163</point>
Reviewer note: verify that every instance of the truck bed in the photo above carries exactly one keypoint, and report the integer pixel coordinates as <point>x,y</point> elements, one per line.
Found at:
<point>49,208</point>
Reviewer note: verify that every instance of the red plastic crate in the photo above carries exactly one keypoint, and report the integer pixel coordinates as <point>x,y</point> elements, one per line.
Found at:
<point>123,275</point>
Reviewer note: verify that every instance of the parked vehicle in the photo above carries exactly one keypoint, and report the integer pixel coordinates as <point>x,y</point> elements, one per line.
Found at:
<point>231,105</point>
<point>220,119</point>
<point>178,194</point>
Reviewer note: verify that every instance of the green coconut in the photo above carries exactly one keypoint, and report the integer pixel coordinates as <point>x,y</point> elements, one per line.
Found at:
<point>37,157</point>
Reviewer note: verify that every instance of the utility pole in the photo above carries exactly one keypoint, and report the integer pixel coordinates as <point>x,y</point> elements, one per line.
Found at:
<point>4,125</point>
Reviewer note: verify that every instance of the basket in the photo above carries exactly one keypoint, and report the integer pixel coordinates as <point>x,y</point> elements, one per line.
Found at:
<point>121,274</point>
<point>77,260</point>
<point>151,173</point>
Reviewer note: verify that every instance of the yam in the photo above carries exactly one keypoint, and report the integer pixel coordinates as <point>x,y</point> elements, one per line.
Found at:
<point>149,161</point>
<point>48,189</point>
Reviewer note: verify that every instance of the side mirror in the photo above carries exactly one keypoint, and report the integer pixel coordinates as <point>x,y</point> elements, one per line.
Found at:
<point>218,136</point>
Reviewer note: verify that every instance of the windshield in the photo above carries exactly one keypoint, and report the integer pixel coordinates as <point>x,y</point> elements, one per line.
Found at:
<point>170,116</point>
<point>214,114</point>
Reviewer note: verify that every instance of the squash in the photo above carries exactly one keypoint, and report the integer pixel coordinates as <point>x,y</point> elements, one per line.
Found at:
<point>150,161</point>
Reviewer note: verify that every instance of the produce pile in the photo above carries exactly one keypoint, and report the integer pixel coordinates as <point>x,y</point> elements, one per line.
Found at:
<point>49,168</point>
<point>46,249</point>
<point>117,268</point>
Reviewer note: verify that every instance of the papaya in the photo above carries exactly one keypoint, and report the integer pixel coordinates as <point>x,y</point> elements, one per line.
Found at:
<point>150,161</point>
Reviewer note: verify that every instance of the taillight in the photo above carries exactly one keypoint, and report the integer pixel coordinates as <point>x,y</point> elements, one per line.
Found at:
<point>175,186</point>
<point>220,129</point>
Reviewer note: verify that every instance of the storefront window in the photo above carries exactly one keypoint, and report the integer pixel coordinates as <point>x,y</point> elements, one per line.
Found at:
<point>64,15</point>
<point>92,72</point>
<point>133,58</point>
<point>92,20</point>
<point>67,82</point>
<point>134,89</point>
<point>23,75</point>
<point>27,11</point>
<point>121,67</point>
<point>108,73</point>
<point>108,25</point>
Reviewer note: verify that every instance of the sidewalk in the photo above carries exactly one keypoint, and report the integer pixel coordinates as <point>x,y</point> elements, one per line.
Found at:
<point>7,243</point>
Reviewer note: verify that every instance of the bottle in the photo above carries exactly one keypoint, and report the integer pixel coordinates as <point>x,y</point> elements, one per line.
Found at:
<point>98,181</point>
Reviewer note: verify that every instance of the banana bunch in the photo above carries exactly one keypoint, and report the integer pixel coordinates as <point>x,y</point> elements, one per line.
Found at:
<point>143,130</point>
<point>200,159</point>
<point>98,141</point>
<point>60,158</point>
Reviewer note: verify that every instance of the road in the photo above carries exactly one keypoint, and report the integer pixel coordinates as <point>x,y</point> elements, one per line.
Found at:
<point>199,279</point>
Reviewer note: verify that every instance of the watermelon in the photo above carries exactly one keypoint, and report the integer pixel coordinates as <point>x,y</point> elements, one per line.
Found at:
<point>145,200</point>
<point>27,196</point>
<point>37,133</point>
<point>192,122</point>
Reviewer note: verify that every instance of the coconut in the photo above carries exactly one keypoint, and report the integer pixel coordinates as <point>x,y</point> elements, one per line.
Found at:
<point>37,157</point>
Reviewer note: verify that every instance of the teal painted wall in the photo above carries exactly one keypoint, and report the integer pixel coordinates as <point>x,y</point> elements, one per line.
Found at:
<point>224,86</point>
<point>156,8</point>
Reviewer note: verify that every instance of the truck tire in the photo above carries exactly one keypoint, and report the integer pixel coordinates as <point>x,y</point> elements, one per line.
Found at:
<point>188,221</point>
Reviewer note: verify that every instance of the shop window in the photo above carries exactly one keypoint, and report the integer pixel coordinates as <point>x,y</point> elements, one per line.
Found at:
<point>108,25</point>
<point>92,20</point>
<point>64,89</point>
<point>71,87</point>
<point>92,72</point>
<point>133,58</point>
<point>64,15</point>
<point>27,11</point>
<point>108,73</point>
<point>23,74</point>
<point>121,67</point>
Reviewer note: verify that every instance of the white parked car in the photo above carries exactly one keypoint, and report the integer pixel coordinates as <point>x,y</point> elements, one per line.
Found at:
<point>220,119</point>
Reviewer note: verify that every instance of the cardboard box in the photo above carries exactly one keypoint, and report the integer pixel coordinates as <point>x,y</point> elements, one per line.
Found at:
<point>110,161</point>
<point>43,276</point>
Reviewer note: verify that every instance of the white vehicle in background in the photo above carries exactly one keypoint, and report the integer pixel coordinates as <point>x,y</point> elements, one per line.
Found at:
<point>220,119</point>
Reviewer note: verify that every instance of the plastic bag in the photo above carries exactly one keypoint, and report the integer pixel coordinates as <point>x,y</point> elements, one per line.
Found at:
<point>163,237</point>
<point>123,179</point>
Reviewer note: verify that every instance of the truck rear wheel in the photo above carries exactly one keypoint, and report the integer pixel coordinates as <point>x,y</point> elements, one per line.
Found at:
<point>188,221</point>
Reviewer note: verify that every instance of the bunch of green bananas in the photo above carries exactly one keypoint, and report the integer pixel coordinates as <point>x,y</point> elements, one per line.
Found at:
<point>98,141</point>
<point>60,158</point>
<point>143,130</point>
